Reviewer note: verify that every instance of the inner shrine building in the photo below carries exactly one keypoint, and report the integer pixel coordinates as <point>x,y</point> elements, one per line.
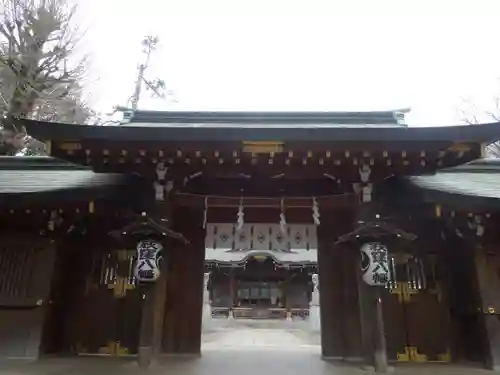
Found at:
<point>111,244</point>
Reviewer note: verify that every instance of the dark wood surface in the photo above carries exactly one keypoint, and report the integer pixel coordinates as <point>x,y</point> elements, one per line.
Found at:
<point>26,268</point>
<point>183,311</point>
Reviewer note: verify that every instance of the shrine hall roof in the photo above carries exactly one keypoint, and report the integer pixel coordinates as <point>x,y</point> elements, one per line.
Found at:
<point>473,186</point>
<point>25,176</point>
<point>294,127</point>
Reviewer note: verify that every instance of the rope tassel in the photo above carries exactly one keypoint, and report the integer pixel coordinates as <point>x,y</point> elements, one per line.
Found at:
<point>240,220</point>
<point>205,213</point>
<point>282,217</point>
<point>315,212</point>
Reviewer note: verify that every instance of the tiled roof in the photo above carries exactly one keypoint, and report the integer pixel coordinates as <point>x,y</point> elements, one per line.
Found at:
<point>474,185</point>
<point>25,175</point>
<point>267,118</point>
<point>37,162</point>
<point>36,181</point>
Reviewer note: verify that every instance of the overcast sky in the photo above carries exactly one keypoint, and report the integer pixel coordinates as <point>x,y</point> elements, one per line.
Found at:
<point>300,54</point>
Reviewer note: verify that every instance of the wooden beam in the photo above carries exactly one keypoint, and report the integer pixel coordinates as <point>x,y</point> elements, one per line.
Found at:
<point>196,147</point>
<point>20,302</point>
<point>410,158</point>
<point>333,201</point>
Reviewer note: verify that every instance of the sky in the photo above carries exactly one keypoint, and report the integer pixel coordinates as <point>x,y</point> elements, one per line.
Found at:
<point>434,56</point>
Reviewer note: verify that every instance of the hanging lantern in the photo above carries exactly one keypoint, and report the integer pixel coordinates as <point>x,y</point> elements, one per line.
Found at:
<point>374,264</point>
<point>149,255</point>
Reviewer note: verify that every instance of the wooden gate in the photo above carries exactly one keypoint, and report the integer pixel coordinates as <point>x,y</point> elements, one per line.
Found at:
<point>109,318</point>
<point>416,317</point>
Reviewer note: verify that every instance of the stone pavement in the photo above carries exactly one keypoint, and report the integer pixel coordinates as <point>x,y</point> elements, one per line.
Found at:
<point>242,348</point>
<point>250,334</point>
<point>240,362</point>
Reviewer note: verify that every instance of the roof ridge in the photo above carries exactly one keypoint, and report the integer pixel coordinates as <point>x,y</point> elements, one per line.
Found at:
<point>393,117</point>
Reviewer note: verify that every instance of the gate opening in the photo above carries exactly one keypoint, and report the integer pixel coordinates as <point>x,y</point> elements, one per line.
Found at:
<point>261,287</point>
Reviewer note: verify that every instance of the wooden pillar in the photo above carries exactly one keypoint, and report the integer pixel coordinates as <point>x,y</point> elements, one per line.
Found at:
<point>287,297</point>
<point>145,355</point>
<point>153,308</point>
<point>489,290</point>
<point>41,278</point>
<point>350,327</point>
<point>154,295</point>
<point>371,311</point>
<point>232,293</point>
<point>170,328</point>
<point>330,293</point>
<point>464,300</point>
<point>184,307</point>
<point>372,326</point>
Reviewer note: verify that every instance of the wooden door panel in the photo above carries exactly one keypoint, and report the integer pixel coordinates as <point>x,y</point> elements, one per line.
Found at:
<point>110,315</point>
<point>427,325</point>
<point>96,324</point>
<point>129,312</point>
<point>394,313</point>
<point>26,270</point>
<point>416,317</point>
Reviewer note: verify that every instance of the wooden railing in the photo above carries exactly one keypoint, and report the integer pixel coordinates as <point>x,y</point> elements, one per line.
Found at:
<point>259,313</point>
<point>221,312</point>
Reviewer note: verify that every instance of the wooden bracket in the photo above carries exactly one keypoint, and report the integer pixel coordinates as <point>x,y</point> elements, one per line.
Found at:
<point>415,356</point>
<point>405,356</point>
<point>264,147</point>
<point>403,291</point>
<point>411,354</point>
<point>397,290</point>
<point>489,311</point>
<point>120,287</point>
<point>437,290</point>
<point>445,357</point>
<point>114,349</point>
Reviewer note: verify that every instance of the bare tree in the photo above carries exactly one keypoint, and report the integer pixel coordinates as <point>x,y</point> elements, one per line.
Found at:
<point>39,69</point>
<point>473,115</point>
<point>63,105</point>
<point>156,86</point>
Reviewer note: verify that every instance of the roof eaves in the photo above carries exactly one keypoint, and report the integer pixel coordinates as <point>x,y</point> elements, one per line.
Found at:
<point>470,133</point>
